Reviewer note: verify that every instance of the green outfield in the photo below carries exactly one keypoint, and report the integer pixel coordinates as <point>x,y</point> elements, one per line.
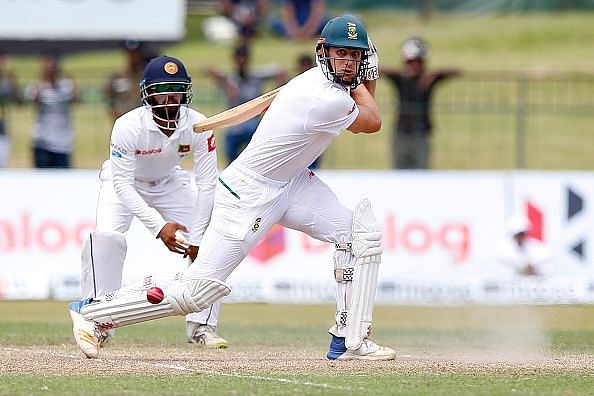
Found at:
<point>479,132</point>
<point>279,349</point>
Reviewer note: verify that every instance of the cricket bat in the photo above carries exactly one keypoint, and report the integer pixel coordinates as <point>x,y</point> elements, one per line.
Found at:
<point>237,114</point>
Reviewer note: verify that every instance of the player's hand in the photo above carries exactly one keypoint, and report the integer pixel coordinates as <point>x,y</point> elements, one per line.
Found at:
<point>372,72</point>
<point>174,241</point>
<point>191,252</point>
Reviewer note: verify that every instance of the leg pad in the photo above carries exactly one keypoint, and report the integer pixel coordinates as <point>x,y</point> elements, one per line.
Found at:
<point>128,306</point>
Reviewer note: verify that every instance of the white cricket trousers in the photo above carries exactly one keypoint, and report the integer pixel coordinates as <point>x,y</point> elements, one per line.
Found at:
<point>247,205</point>
<point>173,197</point>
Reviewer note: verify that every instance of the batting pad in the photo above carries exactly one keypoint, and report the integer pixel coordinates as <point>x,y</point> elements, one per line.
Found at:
<point>366,248</point>
<point>129,305</point>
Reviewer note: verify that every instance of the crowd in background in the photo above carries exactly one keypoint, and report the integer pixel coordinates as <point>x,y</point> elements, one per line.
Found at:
<point>241,21</point>
<point>54,92</point>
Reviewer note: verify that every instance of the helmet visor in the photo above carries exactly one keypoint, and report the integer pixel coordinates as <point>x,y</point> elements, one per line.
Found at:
<point>169,88</point>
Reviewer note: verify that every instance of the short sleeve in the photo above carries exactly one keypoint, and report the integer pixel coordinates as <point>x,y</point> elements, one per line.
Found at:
<point>333,113</point>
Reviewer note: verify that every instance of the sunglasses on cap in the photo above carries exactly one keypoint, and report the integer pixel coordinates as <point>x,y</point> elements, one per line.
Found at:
<point>169,87</point>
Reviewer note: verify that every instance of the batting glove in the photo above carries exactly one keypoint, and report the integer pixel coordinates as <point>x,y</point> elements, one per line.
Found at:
<point>372,72</point>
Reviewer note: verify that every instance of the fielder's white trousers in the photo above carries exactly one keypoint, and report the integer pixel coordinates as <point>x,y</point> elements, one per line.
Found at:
<point>247,205</point>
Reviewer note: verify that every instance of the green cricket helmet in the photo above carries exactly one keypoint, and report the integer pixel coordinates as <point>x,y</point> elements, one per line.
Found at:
<point>342,32</point>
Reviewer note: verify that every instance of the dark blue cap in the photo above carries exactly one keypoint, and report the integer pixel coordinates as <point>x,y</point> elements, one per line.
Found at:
<point>165,69</point>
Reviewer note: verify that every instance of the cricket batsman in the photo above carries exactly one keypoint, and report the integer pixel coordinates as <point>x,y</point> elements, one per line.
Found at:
<point>270,183</point>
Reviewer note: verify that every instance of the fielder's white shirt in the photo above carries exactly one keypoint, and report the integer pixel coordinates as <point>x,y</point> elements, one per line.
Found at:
<point>304,118</point>
<point>517,257</point>
<point>140,153</point>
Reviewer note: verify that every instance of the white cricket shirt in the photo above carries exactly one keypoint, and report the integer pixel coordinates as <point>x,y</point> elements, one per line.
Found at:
<point>304,118</point>
<point>141,154</point>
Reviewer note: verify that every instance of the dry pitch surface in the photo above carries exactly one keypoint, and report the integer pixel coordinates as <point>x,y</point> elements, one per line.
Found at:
<point>238,362</point>
<point>281,349</point>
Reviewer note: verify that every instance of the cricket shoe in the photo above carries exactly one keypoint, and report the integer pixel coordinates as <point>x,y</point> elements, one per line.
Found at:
<point>368,350</point>
<point>205,336</point>
<point>88,335</point>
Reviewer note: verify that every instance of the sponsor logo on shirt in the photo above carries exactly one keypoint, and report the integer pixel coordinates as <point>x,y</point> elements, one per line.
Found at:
<point>118,148</point>
<point>353,109</point>
<point>116,153</point>
<point>211,143</point>
<point>148,152</point>
<point>183,148</point>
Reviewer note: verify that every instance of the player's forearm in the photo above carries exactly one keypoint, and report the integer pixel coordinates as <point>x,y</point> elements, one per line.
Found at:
<point>369,119</point>
<point>370,85</point>
<point>130,198</point>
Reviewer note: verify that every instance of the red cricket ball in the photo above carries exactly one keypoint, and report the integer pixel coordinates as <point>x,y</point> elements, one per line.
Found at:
<point>155,295</point>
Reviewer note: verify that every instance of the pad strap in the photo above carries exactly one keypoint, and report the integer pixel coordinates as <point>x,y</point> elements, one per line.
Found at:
<point>344,274</point>
<point>345,246</point>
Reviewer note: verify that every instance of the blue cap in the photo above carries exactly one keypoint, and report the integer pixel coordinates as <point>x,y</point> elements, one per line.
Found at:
<point>165,69</point>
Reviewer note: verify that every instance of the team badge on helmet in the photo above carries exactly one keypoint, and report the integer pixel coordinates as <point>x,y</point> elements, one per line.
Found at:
<point>342,32</point>
<point>165,88</point>
<point>170,68</point>
<point>352,31</point>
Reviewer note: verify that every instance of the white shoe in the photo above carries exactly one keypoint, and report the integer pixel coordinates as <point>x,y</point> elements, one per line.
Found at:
<point>368,350</point>
<point>205,336</point>
<point>87,334</point>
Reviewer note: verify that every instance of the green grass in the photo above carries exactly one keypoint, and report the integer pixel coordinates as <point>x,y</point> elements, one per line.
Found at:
<point>466,136</point>
<point>503,384</point>
<point>257,328</point>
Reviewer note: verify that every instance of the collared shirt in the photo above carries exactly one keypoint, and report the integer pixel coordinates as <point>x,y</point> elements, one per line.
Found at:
<point>141,152</point>
<point>304,118</point>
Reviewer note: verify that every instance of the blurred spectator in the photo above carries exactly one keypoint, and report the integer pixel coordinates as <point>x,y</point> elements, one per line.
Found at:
<point>239,87</point>
<point>304,63</point>
<point>52,138</point>
<point>415,86</point>
<point>121,89</point>
<point>246,15</point>
<point>218,29</point>
<point>521,253</point>
<point>301,19</point>
<point>9,92</point>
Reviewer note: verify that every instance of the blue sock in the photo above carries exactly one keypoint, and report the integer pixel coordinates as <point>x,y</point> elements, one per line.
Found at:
<point>77,305</point>
<point>337,348</point>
